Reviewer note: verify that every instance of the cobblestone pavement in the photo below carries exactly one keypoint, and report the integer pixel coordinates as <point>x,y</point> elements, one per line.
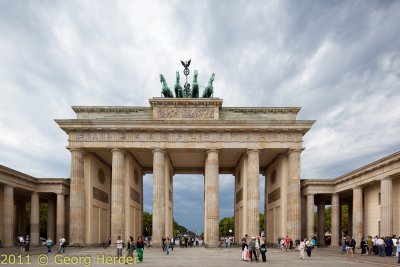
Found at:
<point>196,256</point>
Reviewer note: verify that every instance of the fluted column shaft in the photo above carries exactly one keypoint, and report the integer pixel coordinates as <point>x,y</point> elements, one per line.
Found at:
<point>321,224</point>
<point>310,215</point>
<point>253,192</point>
<point>51,214</point>
<point>335,222</point>
<point>60,218</point>
<point>117,194</point>
<point>358,214</point>
<point>77,199</point>
<point>158,195</point>
<point>386,207</point>
<point>211,188</point>
<point>35,227</point>
<point>8,212</point>
<point>293,193</point>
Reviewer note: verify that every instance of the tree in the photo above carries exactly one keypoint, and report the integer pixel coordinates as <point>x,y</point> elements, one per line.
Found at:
<point>148,229</point>
<point>147,223</point>
<point>228,223</point>
<point>225,225</point>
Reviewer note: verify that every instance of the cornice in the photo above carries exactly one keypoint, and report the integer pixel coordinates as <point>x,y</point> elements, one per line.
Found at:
<point>109,109</point>
<point>369,167</point>
<point>256,110</point>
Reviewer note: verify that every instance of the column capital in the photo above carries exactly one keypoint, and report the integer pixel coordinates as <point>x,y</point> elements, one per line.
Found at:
<point>310,194</point>
<point>158,149</point>
<point>387,178</point>
<point>298,150</point>
<point>77,149</point>
<point>212,150</point>
<point>118,150</point>
<point>358,187</point>
<point>253,151</point>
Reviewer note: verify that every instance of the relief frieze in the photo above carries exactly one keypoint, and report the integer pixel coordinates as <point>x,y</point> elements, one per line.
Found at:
<point>185,113</point>
<point>245,137</point>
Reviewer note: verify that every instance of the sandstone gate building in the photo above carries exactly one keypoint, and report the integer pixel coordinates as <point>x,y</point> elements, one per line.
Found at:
<point>113,147</point>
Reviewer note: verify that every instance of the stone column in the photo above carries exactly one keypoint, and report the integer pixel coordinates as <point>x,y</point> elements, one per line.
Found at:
<point>77,199</point>
<point>60,220</point>
<point>8,220</point>
<point>321,224</point>
<point>211,187</point>
<point>335,223</point>
<point>358,215</point>
<point>117,194</point>
<point>386,207</point>
<point>310,215</point>
<point>293,194</point>
<point>158,195</point>
<point>51,214</point>
<point>253,192</point>
<point>35,227</point>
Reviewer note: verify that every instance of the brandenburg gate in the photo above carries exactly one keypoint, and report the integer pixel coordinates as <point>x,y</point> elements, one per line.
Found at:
<point>113,147</point>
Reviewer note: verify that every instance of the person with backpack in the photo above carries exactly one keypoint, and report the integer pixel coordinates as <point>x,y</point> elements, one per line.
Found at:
<point>130,247</point>
<point>263,249</point>
<point>49,244</point>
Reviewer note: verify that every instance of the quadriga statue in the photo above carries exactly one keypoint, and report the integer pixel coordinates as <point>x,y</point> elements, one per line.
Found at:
<point>209,91</point>
<point>166,92</point>
<point>195,86</point>
<point>178,87</point>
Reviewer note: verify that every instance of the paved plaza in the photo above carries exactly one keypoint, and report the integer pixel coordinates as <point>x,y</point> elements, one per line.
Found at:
<point>197,256</point>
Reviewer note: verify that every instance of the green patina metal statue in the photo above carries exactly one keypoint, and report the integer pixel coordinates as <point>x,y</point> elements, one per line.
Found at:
<point>209,91</point>
<point>178,87</point>
<point>186,91</point>
<point>195,86</point>
<point>166,92</point>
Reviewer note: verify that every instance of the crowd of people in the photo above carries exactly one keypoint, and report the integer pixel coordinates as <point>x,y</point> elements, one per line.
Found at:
<point>23,242</point>
<point>252,248</point>
<point>381,246</point>
<point>131,247</point>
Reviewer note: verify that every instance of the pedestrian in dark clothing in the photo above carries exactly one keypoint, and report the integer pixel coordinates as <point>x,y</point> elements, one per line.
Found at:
<point>263,250</point>
<point>252,249</point>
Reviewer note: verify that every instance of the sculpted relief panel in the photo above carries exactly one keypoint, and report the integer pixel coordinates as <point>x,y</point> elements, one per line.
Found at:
<point>247,137</point>
<point>185,113</point>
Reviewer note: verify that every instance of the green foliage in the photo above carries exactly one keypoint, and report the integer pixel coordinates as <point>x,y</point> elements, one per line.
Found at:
<point>229,223</point>
<point>147,226</point>
<point>262,219</point>
<point>147,223</point>
<point>225,225</point>
<point>181,230</point>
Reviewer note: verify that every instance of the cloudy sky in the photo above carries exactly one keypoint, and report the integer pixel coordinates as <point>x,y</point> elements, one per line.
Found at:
<point>338,60</point>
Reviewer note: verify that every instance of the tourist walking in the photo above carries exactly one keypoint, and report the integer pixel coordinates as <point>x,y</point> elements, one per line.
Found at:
<point>139,248</point>
<point>120,246</point>
<point>49,244</point>
<point>21,243</point>
<point>398,251</point>
<point>263,249</point>
<point>62,243</point>
<point>252,248</point>
<point>167,244</point>
<point>131,246</point>
<point>381,247</point>
<point>302,248</point>
<point>349,248</point>
<point>309,247</point>
<point>27,243</point>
